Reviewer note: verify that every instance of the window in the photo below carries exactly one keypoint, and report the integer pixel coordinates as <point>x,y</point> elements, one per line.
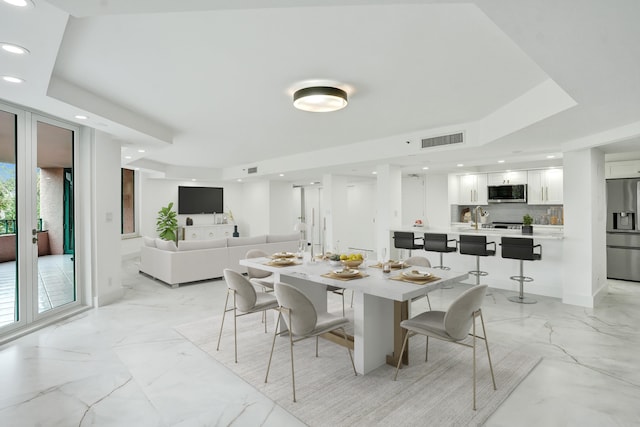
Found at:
<point>128,225</point>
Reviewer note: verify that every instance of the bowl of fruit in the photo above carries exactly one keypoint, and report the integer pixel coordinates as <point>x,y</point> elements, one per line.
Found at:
<point>351,260</point>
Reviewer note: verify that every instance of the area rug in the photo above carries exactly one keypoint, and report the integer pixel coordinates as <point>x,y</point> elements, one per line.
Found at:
<point>435,393</point>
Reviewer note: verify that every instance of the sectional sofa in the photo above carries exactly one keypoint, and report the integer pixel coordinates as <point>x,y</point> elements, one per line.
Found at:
<point>194,260</point>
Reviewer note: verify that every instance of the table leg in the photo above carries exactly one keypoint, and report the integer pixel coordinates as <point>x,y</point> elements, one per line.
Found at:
<point>400,313</point>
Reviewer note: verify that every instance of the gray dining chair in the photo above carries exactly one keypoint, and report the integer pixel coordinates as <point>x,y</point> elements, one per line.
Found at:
<point>259,277</point>
<point>453,326</point>
<point>303,321</point>
<point>419,261</point>
<point>245,300</point>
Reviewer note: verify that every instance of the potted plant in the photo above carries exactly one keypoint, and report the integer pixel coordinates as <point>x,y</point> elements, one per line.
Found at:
<point>167,223</point>
<point>527,228</point>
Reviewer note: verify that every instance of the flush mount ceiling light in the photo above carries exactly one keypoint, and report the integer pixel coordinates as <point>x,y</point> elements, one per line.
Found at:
<point>20,3</point>
<point>14,48</point>
<point>320,99</point>
<point>12,79</point>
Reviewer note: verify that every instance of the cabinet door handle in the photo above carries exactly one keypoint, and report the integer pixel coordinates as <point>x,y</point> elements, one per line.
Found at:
<point>471,195</point>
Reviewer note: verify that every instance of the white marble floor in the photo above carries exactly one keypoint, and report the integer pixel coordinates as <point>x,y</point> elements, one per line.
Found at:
<point>124,364</point>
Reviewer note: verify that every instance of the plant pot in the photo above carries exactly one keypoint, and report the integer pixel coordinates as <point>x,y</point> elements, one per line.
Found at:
<point>527,229</point>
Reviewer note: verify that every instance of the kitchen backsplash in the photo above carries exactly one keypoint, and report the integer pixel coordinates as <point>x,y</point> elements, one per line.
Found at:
<point>513,212</point>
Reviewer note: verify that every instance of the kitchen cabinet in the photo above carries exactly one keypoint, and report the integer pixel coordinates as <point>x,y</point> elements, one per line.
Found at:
<point>472,189</point>
<point>623,169</point>
<point>204,232</point>
<point>544,187</point>
<point>507,178</point>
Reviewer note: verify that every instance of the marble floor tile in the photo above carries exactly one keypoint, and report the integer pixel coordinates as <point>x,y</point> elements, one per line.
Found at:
<point>125,364</point>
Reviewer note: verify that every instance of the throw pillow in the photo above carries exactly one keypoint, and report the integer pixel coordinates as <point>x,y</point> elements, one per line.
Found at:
<point>166,245</point>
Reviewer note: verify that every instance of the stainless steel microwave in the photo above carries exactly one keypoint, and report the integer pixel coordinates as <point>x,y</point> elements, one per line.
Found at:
<point>508,193</point>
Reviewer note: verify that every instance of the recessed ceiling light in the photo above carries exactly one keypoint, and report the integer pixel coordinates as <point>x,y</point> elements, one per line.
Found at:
<point>12,79</point>
<point>20,3</point>
<point>281,174</point>
<point>141,151</point>
<point>374,173</point>
<point>193,179</point>
<point>14,48</point>
<point>239,179</point>
<point>459,165</point>
<point>551,156</point>
<point>500,161</point>
<point>425,168</point>
<point>81,117</point>
<point>127,157</point>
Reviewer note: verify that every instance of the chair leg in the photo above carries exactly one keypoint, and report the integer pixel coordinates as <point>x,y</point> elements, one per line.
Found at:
<point>316,346</point>
<point>486,343</point>
<point>224,312</point>
<point>346,342</point>
<point>352,292</point>
<point>273,344</point>
<point>404,344</point>
<point>426,351</point>
<point>235,327</point>
<point>428,301</point>
<point>264,317</point>
<point>293,374</point>
<point>474,362</point>
<point>342,302</point>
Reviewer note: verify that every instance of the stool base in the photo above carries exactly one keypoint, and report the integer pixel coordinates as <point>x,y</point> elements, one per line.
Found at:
<point>522,300</point>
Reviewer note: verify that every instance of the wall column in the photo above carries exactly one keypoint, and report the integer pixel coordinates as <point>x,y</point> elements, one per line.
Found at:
<point>388,205</point>
<point>335,212</point>
<point>584,254</point>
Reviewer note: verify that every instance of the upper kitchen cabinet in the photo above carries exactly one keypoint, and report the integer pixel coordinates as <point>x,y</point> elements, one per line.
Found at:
<point>472,189</point>
<point>545,187</point>
<point>624,169</point>
<point>507,178</point>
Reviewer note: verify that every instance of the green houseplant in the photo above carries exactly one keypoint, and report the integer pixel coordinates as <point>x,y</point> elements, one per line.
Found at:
<point>167,223</point>
<point>527,227</point>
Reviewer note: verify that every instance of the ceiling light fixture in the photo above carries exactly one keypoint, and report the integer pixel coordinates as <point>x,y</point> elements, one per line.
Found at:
<point>20,3</point>
<point>141,151</point>
<point>500,161</point>
<point>127,157</point>
<point>460,165</point>
<point>425,168</point>
<point>12,79</point>
<point>14,48</point>
<point>320,99</point>
<point>81,117</point>
<point>281,174</point>
<point>551,157</point>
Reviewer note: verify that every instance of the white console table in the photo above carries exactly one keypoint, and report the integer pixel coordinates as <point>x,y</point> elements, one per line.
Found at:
<point>205,232</point>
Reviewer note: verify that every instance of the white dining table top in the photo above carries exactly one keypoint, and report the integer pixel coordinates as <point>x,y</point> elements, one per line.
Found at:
<point>376,283</point>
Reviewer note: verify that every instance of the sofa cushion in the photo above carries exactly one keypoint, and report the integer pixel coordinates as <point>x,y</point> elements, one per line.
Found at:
<point>246,241</point>
<point>166,245</point>
<point>149,241</point>
<point>277,238</point>
<point>190,245</point>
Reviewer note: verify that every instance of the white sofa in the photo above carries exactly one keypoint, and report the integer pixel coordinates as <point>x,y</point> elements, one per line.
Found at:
<point>194,260</point>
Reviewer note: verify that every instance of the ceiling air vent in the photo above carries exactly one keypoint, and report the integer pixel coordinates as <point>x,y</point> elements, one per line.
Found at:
<point>454,138</point>
<point>253,170</point>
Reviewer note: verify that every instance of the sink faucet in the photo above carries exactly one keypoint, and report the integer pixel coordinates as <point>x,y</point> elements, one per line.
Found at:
<point>475,214</point>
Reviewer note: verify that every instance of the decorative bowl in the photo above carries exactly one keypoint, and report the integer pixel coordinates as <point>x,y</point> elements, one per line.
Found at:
<point>352,263</point>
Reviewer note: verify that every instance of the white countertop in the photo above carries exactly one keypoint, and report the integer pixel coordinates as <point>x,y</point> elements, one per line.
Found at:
<point>539,231</point>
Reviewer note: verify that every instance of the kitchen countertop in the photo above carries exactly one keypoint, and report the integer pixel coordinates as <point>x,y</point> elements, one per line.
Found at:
<point>539,232</point>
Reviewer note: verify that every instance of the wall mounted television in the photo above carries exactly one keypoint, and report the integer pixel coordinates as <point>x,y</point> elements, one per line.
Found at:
<point>200,200</point>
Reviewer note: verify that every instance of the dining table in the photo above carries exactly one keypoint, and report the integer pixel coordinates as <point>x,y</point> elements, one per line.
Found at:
<point>381,300</point>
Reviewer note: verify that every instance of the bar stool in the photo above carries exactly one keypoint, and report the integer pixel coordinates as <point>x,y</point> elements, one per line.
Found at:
<point>476,245</point>
<point>437,242</point>
<point>406,240</point>
<point>522,249</point>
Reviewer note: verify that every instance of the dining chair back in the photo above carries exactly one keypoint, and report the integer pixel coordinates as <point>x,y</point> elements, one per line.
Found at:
<point>254,272</point>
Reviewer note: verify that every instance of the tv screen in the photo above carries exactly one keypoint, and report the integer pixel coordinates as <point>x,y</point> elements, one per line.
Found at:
<point>200,200</point>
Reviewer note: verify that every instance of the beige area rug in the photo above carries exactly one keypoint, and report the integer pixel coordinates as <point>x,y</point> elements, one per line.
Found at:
<point>436,393</point>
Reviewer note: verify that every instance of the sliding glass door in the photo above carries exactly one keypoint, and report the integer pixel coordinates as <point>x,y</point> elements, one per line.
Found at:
<point>37,260</point>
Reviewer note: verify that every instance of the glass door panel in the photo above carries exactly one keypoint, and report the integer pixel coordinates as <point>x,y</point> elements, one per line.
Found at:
<point>54,222</point>
<point>9,313</point>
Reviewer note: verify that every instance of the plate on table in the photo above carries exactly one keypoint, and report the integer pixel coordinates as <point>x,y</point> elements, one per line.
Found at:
<point>416,275</point>
<point>396,264</point>
<point>282,261</point>
<point>346,272</point>
<point>283,255</point>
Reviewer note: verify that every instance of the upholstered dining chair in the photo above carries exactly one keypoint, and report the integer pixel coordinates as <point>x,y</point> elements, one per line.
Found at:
<point>419,261</point>
<point>303,321</point>
<point>453,326</point>
<point>245,300</point>
<point>259,277</point>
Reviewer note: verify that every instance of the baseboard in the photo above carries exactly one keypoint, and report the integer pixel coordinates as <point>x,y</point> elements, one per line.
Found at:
<point>579,300</point>
<point>108,298</point>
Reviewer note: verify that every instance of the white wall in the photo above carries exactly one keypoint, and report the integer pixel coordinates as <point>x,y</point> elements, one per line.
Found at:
<point>361,208</point>
<point>282,217</point>
<point>106,241</point>
<point>256,208</point>
<point>413,199</point>
<point>437,211</point>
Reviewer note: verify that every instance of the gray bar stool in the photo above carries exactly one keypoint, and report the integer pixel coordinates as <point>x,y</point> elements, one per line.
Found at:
<point>406,240</point>
<point>476,245</point>
<point>522,249</point>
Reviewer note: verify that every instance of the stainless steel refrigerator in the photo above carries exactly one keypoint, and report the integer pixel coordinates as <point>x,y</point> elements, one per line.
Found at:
<point>623,229</point>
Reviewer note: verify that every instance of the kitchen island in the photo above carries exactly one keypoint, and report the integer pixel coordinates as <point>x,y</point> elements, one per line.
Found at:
<point>546,273</point>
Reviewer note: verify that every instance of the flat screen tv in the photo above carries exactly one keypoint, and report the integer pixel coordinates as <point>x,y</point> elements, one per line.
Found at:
<point>200,200</point>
